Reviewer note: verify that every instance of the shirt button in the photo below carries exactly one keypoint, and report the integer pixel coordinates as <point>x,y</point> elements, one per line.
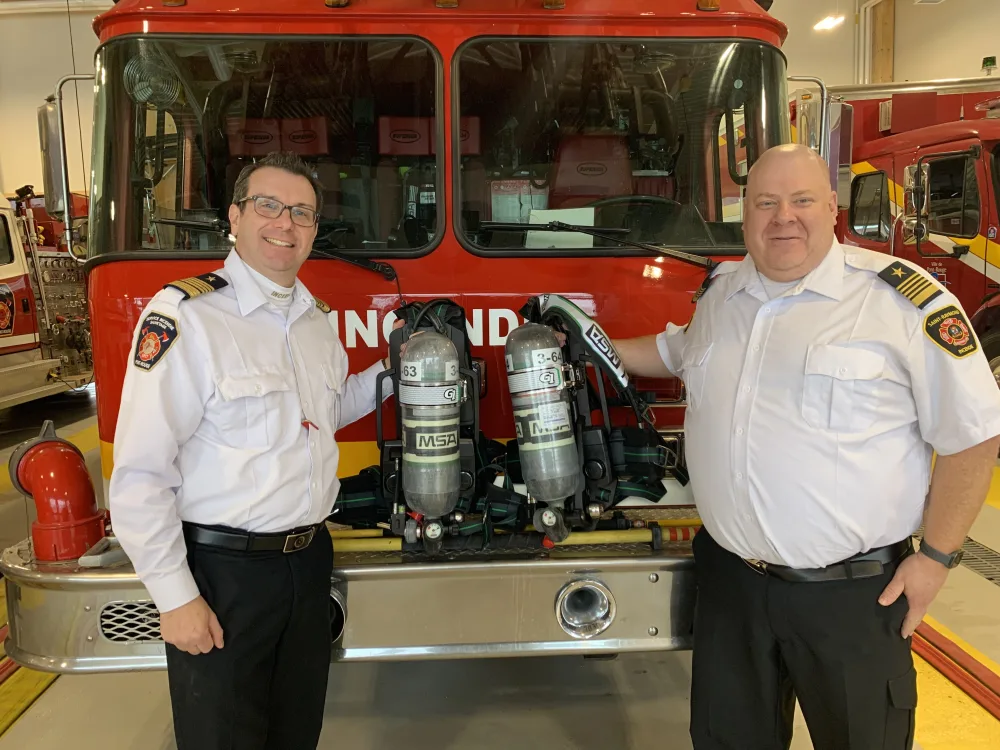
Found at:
<point>756,347</point>
<point>739,430</point>
<point>746,389</point>
<point>739,475</point>
<point>767,309</point>
<point>258,388</point>
<point>843,370</point>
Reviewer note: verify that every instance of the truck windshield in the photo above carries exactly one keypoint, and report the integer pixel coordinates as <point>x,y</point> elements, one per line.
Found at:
<point>651,136</point>
<point>177,119</point>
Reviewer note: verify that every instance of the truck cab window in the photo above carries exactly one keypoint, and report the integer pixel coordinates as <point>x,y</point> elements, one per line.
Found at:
<point>870,214</point>
<point>627,135</point>
<point>178,120</point>
<point>6,242</point>
<point>953,197</point>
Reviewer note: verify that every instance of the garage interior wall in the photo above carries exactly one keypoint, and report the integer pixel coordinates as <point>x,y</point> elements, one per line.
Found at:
<point>947,40</point>
<point>34,55</point>
<point>825,54</point>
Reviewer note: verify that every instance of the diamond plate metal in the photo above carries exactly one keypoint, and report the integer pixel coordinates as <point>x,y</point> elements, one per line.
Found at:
<point>131,622</point>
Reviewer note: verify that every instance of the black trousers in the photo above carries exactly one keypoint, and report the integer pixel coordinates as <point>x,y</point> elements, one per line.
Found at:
<point>761,642</point>
<point>266,688</point>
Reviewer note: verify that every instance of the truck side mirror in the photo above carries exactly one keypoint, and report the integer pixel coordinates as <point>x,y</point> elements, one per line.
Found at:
<point>50,136</point>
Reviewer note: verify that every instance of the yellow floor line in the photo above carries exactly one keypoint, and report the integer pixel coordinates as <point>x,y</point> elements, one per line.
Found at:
<point>948,719</point>
<point>18,693</point>
<point>86,440</point>
<point>993,496</point>
<point>964,645</point>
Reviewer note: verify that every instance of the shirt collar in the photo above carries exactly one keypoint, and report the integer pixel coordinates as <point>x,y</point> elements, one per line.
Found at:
<point>826,279</point>
<point>249,295</point>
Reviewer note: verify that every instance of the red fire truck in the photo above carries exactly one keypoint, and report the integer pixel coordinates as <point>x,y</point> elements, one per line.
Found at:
<point>44,328</point>
<point>481,151</point>
<point>919,176</point>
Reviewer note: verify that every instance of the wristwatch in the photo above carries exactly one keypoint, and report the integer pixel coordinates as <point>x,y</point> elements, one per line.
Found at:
<point>949,561</point>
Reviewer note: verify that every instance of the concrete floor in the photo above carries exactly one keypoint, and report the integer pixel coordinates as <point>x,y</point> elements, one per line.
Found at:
<point>636,702</point>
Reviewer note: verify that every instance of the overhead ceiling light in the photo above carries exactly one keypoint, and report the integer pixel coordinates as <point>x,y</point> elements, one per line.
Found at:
<point>830,22</point>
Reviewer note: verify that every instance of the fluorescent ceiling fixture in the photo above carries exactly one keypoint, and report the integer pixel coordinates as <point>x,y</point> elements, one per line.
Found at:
<point>830,22</point>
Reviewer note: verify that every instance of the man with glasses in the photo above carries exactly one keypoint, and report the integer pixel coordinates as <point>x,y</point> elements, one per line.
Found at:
<point>226,468</point>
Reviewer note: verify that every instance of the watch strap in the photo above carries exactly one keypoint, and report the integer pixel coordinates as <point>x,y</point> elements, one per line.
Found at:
<point>949,561</point>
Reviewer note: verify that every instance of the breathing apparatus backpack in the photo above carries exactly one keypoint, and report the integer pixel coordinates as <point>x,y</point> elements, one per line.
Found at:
<point>436,482</point>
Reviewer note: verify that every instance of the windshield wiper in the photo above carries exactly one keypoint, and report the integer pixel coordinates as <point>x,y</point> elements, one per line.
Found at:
<point>605,234</point>
<point>384,269</point>
<point>215,225</point>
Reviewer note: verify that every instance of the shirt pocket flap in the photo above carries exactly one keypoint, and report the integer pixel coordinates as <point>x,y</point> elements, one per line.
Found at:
<point>695,355</point>
<point>232,387</point>
<point>844,363</point>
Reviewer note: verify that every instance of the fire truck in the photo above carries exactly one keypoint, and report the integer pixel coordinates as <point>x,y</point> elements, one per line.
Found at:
<point>44,322</point>
<point>494,164</point>
<point>917,166</point>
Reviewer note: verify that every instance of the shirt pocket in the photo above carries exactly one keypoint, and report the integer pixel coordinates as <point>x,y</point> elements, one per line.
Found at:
<point>694,366</point>
<point>842,387</point>
<point>251,406</point>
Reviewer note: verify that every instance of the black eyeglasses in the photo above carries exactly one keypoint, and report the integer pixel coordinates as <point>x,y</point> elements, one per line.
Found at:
<point>270,208</point>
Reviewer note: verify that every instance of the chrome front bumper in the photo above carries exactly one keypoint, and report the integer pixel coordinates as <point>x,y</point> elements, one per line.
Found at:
<point>64,618</point>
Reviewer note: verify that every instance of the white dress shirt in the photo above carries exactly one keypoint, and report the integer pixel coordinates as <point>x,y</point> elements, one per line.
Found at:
<point>213,432</point>
<point>812,416</point>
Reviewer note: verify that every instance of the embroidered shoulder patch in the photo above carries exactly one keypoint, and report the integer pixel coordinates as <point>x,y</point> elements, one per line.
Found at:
<point>194,286</point>
<point>913,285</point>
<point>156,334</point>
<point>322,306</point>
<point>949,329</point>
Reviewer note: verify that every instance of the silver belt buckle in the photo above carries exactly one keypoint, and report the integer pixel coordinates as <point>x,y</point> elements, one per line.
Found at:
<point>758,566</point>
<point>298,542</point>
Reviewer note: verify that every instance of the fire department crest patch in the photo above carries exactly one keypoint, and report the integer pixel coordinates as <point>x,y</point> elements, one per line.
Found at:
<point>6,310</point>
<point>949,329</point>
<point>156,334</point>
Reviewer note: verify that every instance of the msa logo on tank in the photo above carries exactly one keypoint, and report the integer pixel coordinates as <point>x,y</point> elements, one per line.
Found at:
<point>442,440</point>
<point>6,310</point>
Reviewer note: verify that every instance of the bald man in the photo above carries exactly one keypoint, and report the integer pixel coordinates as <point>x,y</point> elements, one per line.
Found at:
<point>820,379</point>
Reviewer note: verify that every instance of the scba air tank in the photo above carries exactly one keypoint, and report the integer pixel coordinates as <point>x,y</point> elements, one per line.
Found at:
<point>430,400</point>
<point>542,416</point>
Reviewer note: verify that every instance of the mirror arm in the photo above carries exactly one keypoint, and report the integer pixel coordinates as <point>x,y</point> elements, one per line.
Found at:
<point>64,177</point>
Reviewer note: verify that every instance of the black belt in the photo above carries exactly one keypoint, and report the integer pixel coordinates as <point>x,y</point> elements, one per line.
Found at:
<point>865,565</point>
<point>236,540</point>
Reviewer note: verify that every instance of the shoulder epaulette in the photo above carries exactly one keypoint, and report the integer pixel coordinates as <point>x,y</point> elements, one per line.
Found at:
<point>195,286</point>
<point>322,306</point>
<point>709,278</point>
<point>915,285</point>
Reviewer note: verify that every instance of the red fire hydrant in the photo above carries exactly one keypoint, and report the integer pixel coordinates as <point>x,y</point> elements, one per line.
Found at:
<point>53,473</point>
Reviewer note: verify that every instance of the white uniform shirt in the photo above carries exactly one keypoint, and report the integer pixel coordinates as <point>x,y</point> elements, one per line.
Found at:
<point>210,428</point>
<point>812,416</point>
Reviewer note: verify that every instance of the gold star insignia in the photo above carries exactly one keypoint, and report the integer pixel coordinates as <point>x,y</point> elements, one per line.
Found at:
<point>898,272</point>
<point>211,278</point>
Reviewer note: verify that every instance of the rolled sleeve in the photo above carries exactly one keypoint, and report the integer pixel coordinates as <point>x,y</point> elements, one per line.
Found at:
<point>957,399</point>
<point>670,345</point>
<point>357,398</point>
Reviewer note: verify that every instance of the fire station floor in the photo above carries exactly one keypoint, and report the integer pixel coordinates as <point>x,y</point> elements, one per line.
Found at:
<point>636,702</point>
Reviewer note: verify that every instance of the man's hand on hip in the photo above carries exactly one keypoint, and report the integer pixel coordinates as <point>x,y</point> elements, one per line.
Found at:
<point>920,578</point>
<point>192,627</point>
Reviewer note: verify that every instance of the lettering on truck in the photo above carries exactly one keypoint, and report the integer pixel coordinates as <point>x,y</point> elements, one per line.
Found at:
<point>361,327</point>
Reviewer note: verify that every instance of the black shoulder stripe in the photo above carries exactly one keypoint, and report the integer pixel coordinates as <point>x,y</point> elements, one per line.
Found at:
<point>704,287</point>
<point>914,285</point>
<point>194,286</point>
